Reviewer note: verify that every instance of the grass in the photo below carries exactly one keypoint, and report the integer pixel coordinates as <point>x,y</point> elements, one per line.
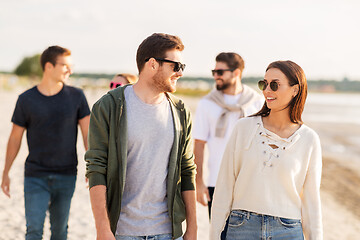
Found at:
<point>191,92</point>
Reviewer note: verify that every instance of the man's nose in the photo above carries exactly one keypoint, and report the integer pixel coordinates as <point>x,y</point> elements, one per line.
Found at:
<point>179,73</point>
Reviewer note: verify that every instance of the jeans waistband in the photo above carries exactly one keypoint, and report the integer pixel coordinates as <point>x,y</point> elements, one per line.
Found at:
<point>248,214</point>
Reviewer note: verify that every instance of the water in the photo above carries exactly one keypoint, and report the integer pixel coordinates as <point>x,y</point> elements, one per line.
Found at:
<point>332,108</point>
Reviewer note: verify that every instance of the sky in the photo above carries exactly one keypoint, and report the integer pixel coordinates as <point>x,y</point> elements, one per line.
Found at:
<point>323,37</point>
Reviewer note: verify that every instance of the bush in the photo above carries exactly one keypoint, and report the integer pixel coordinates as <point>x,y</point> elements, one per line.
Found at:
<point>29,66</point>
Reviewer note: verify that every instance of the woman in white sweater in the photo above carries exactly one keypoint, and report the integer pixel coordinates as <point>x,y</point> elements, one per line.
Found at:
<point>269,181</point>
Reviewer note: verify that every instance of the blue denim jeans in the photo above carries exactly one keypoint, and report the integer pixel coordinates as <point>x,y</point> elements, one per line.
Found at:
<point>53,193</point>
<point>153,237</point>
<point>247,225</point>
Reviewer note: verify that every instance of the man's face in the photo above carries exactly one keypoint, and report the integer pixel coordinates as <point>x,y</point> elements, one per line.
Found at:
<point>165,79</point>
<point>226,80</point>
<point>62,69</point>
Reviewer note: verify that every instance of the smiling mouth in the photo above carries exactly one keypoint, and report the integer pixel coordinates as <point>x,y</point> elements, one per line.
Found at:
<point>219,82</point>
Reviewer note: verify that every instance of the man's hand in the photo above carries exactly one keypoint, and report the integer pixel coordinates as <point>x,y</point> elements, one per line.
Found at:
<point>105,235</point>
<point>5,185</point>
<point>12,150</point>
<point>189,199</point>
<point>190,235</point>
<point>202,193</point>
<point>98,205</point>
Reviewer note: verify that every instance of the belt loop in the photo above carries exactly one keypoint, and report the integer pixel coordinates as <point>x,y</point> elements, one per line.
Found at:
<point>248,215</point>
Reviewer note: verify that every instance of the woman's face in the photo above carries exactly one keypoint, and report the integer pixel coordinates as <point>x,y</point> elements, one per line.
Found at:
<point>121,80</point>
<point>118,81</point>
<point>278,100</point>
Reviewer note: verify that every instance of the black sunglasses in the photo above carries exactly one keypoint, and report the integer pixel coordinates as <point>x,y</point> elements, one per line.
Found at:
<point>177,65</point>
<point>220,72</point>
<point>115,85</point>
<point>274,86</point>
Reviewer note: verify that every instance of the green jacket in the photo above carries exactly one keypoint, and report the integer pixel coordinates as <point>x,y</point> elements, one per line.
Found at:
<point>106,158</point>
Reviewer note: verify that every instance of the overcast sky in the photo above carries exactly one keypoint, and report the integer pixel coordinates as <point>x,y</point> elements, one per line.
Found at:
<point>323,37</point>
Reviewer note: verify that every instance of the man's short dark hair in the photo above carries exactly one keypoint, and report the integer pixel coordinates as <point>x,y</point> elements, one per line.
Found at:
<point>156,46</point>
<point>51,53</point>
<point>233,60</point>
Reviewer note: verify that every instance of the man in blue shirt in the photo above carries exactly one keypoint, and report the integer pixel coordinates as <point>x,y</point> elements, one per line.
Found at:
<point>50,113</point>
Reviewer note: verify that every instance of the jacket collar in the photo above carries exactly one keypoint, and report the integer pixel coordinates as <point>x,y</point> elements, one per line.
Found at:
<point>118,93</point>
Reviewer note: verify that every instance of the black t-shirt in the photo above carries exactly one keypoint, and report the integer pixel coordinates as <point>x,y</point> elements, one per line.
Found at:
<point>51,124</point>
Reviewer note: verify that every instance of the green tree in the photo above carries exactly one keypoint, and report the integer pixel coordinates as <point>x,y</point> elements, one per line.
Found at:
<point>29,66</point>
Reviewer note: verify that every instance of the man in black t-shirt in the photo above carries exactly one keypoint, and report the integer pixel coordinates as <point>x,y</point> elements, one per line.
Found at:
<point>50,113</point>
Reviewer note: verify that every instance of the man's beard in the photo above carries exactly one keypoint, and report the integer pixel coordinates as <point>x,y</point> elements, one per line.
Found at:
<point>162,83</point>
<point>223,87</point>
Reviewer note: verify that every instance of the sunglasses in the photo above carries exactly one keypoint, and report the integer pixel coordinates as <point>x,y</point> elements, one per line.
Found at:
<point>115,85</point>
<point>177,65</point>
<point>68,66</point>
<point>262,84</point>
<point>220,72</point>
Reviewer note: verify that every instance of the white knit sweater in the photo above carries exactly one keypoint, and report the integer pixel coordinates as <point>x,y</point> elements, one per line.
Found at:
<point>282,182</point>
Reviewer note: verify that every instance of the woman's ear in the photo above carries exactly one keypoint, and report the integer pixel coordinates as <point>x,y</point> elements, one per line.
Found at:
<point>296,90</point>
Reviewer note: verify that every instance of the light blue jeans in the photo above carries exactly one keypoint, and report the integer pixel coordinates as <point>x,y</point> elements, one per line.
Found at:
<point>53,193</point>
<point>248,225</point>
<point>153,237</point>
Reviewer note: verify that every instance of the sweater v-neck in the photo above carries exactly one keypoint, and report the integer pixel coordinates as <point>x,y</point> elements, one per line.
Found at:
<point>288,139</point>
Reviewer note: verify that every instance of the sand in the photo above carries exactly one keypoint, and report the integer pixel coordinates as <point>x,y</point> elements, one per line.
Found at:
<point>339,191</point>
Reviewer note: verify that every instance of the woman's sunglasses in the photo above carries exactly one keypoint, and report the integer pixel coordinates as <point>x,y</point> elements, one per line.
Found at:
<point>274,86</point>
<point>220,72</point>
<point>115,84</point>
<point>177,65</point>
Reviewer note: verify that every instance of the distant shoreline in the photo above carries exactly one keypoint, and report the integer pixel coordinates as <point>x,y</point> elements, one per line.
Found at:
<point>85,80</point>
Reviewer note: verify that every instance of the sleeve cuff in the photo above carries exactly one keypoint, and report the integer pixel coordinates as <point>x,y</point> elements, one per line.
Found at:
<point>188,184</point>
<point>96,179</point>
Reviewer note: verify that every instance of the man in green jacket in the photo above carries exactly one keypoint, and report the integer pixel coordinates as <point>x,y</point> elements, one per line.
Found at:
<point>140,162</point>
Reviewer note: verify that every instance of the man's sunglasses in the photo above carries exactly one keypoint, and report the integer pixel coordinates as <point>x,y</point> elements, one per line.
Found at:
<point>177,65</point>
<point>115,85</point>
<point>220,72</point>
<point>274,86</point>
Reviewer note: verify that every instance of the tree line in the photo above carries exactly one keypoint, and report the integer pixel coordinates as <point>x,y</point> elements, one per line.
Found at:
<point>30,66</point>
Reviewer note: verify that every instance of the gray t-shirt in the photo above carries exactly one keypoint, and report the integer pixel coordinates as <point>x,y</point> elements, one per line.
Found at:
<point>144,208</point>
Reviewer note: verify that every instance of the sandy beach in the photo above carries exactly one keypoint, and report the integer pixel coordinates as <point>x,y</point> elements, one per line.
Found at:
<point>339,191</point>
